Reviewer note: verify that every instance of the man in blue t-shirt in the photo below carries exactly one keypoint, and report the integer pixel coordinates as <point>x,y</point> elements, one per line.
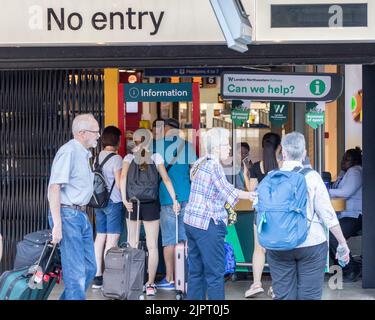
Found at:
<point>178,155</point>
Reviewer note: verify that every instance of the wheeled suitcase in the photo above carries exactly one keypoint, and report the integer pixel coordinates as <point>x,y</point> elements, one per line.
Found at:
<point>34,282</point>
<point>123,275</point>
<point>180,266</point>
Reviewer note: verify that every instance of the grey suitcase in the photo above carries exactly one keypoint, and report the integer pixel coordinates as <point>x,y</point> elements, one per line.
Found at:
<point>123,276</point>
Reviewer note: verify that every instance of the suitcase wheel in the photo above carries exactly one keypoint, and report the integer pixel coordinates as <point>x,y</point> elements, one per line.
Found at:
<point>234,277</point>
<point>179,296</point>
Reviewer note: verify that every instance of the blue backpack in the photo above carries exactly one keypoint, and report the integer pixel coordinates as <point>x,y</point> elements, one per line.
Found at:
<point>282,222</point>
<point>230,261</point>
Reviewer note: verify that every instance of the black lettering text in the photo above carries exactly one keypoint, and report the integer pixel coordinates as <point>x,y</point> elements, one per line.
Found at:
<point>140,18</point>
<point>112,16</point>
<point>130,14</point>
<point>51,14</point>
<point>70,21</point>
<point>97,18</point>
<point>156,23</point>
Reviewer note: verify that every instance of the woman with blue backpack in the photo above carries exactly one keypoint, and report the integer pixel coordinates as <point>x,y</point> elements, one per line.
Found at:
<point>293,209</point>
<point>270,161</point>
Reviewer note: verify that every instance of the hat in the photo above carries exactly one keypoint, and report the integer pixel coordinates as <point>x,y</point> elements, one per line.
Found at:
<point>172,123</point>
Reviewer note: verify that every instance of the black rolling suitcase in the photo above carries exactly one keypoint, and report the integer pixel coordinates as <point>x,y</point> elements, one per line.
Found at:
<point>124,271</point>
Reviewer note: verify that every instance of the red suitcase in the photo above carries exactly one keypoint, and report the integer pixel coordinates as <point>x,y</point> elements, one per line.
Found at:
<point>180,266</point>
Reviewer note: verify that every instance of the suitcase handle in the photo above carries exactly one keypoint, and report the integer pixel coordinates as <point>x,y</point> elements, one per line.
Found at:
<point>49,258</point>
<point>134,199</point>
<point>176,224</point>
<point>32,283</point>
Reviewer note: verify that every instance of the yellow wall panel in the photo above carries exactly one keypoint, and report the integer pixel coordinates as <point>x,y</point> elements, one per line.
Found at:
<point>111,80</point>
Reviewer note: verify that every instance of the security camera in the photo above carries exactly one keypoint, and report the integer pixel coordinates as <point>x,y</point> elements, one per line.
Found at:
<point>234,23</point>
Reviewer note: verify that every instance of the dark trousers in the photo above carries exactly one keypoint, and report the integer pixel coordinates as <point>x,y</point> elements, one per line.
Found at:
<point>298,274</point>
<point>206,261</point>
<point>349,227</point>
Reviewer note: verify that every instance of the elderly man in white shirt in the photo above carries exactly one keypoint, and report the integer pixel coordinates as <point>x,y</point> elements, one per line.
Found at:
<point>298,274</point>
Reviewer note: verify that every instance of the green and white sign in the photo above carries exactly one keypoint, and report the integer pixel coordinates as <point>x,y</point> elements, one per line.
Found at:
<point>165,92</point>
<point>239,114</point>
<point>315,114</point>
<point>278,113</point>
<point>281,86</point>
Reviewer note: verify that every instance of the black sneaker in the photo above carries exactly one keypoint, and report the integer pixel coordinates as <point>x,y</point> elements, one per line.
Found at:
<point>98,282</point>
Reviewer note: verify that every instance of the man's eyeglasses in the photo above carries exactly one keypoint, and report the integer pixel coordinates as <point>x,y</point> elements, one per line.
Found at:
<point>92,131</point>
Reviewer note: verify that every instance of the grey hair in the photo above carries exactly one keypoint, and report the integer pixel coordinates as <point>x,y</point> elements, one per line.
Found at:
<point>293,145</point>
<point>214,138</point>
<point>82,122</point>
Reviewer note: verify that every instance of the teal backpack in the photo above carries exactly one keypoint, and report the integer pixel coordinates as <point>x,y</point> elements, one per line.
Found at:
<point>282,222</point>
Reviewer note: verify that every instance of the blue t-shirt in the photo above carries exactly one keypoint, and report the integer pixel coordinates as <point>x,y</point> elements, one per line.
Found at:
<point>179,173</point>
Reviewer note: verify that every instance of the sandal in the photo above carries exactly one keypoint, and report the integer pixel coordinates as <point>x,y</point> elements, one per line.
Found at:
<point>254,290</point>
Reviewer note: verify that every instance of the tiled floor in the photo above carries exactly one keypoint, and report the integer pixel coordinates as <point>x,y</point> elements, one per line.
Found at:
<point>235,291</point>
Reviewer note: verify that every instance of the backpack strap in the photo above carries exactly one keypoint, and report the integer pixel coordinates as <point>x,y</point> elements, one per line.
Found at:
<point>179,150</point>
<point>302,170</point>
<point>101,165</point>
<point>194,172</point>
<point>305,171</point>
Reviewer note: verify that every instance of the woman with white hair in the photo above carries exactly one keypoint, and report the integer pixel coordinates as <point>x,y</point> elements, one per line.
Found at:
<point>298,274</point>
<point>206,218</point>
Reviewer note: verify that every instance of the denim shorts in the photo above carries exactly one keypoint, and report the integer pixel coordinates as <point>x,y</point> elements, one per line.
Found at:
<point>111,218</point>
<point>168,225</point>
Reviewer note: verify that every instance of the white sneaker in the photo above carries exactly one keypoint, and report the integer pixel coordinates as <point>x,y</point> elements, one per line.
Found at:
<point>151,290</point>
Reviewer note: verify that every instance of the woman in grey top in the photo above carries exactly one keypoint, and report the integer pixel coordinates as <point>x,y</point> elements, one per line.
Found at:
<point>349,187</point>
<point>109,220</point>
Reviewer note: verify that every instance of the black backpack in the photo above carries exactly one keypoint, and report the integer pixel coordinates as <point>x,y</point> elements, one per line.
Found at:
<point>142,182</point>
<point>101,195</point>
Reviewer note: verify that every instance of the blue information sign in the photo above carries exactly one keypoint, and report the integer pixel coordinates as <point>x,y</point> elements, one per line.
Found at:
<point>163,92</point>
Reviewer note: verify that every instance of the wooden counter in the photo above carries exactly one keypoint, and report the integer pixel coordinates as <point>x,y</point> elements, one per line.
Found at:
<point>244,205</point>
<point>339,204</point>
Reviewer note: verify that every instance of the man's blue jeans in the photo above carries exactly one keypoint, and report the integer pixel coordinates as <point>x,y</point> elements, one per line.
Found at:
<point>77,253</point>
<point>206,261</point>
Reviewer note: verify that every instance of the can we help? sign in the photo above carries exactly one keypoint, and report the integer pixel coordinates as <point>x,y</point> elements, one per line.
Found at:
<point>281,87</point>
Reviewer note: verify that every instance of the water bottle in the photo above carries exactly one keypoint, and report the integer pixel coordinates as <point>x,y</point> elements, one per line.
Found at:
<point>340,255</point>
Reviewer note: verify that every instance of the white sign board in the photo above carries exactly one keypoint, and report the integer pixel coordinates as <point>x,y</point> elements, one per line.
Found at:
<point>283,87</point>
<point>175,22</point>
<point>98,22</point>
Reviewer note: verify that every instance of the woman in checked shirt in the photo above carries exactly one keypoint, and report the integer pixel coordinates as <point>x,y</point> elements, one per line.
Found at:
<point>206,218</point>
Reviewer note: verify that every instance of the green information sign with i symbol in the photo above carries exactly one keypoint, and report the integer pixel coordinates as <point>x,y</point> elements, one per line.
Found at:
<point>317,87</point>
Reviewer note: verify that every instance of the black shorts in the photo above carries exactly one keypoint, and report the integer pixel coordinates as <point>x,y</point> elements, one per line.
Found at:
<point>147,212</point>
